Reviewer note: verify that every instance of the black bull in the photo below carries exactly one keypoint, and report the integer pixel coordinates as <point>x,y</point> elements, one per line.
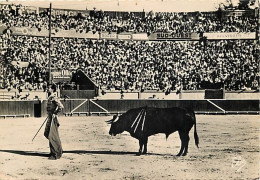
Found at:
<point>144,122</point>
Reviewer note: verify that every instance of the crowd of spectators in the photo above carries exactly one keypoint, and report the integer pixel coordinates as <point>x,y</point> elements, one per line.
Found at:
<point>130,65</point>
<point>176,23</point>
<point>133,65</point>
<point>23,62</point>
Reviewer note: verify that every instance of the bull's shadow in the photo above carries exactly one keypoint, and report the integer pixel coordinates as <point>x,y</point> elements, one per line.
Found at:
<point>43,154</point>
<point>100,152</point>
<point>108,152</point>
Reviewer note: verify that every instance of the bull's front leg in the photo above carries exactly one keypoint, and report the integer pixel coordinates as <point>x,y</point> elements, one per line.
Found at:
<point>145,145</point>
<point>142,143</point>
<point>140,147</point>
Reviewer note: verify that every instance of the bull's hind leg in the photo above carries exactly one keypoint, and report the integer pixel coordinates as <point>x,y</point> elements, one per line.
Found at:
<point>182,135</point>
<point>186,145</point>
<point>187,138</point>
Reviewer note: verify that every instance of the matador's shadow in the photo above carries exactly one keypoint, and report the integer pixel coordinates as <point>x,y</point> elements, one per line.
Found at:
<point>42,154</point>
<point>26,153</point>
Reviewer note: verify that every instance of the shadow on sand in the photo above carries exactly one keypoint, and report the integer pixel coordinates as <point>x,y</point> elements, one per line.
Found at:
<point>26,153</point>
<point>42,154</point>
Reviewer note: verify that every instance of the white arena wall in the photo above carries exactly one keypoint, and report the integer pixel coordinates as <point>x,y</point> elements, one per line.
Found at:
<point>244,95</point>
<point>185,95</point>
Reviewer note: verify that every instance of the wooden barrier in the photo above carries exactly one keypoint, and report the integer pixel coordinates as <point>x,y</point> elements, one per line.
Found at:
<point>238,105</point>
<point>17,107</point>
<point>94,106</point>
<point>69,106</point>
<point>13,116</point>
<point>114,106</point>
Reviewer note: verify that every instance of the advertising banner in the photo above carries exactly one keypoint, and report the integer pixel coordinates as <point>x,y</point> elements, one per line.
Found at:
<point>169,36</point>
<point>57,74</point>
<point>24,31</point>
<point>108,36</point>
<point>68,12</point>
<point>140,36</point>
<point>74,34</point>
<point>195,36</point>
<point>250,12</point>
<point>124,36</point>
<point>230,35</point>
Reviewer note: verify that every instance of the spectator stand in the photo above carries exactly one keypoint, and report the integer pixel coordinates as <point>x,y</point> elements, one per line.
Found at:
<point>133,65</point>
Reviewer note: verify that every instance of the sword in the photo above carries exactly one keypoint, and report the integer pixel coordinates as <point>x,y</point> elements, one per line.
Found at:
<point>40,128</point>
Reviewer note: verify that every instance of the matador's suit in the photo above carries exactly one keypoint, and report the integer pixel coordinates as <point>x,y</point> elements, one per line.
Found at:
<point>54,106</point>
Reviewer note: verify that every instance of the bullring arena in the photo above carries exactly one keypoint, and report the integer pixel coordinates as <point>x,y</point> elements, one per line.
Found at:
<point>229,149</point>
<point>88,61</point>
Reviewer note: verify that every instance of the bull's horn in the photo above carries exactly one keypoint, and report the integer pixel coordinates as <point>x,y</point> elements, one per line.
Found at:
<point>109,121</point>
<point>112,120</point>
<point>114,117</point>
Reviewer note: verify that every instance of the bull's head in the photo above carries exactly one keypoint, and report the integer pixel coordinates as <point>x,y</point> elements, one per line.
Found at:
<point>117,126</point>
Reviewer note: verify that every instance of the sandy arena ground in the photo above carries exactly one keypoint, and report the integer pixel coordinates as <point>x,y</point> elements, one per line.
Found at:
<point>229,149</point>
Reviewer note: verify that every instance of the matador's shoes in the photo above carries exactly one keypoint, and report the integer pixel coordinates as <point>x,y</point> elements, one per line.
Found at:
<point>52,158</point>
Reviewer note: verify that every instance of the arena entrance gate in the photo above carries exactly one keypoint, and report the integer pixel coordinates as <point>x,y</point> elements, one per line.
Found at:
<point>88,107</point>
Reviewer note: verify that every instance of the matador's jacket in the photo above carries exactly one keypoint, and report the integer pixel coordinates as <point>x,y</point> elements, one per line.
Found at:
<point>54,106</point>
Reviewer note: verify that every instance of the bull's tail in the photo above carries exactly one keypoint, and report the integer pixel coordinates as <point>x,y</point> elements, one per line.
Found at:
<point>196,137</point>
